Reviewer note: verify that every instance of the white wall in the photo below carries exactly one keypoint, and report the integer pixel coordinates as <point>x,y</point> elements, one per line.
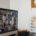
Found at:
<point>24,12</point>
<point>24,15</point>
<point>5,4</point>
<point>14,4</point>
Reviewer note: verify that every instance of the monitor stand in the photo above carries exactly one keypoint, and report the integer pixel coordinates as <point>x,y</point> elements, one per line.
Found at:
<point>10,33</point>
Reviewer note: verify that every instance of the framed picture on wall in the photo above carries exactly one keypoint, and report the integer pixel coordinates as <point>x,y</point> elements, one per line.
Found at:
<point>33,3</point>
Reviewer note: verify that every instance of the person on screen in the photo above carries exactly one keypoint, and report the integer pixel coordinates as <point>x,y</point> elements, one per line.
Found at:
<point>4,23</point>
<point>14,26</point>
<point>0,28</point>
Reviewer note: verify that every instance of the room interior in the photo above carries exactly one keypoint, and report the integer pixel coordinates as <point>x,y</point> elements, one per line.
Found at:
<point>25,11</point>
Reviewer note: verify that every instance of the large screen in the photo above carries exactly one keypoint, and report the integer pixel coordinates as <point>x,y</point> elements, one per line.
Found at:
<point>8,20</point>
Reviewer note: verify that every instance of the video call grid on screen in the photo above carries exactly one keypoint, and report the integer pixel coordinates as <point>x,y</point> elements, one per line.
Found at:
<point>8,20</point>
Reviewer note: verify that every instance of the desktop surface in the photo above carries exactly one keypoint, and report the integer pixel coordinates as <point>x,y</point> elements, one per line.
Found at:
<point>7,31</point>
<point>10,33</point>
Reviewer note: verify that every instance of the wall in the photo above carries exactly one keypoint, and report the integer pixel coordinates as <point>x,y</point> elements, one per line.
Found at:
<point>24,12</point>
<point>14,4</point>
<point>23,7</point>
<point>24,15</point>
<point>4,3</point>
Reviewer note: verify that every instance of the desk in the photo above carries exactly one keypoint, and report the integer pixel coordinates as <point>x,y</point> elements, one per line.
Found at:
<point>10,33</point>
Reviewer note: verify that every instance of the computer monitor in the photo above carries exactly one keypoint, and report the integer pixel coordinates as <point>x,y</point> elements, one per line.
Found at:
<point>8,20</point>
